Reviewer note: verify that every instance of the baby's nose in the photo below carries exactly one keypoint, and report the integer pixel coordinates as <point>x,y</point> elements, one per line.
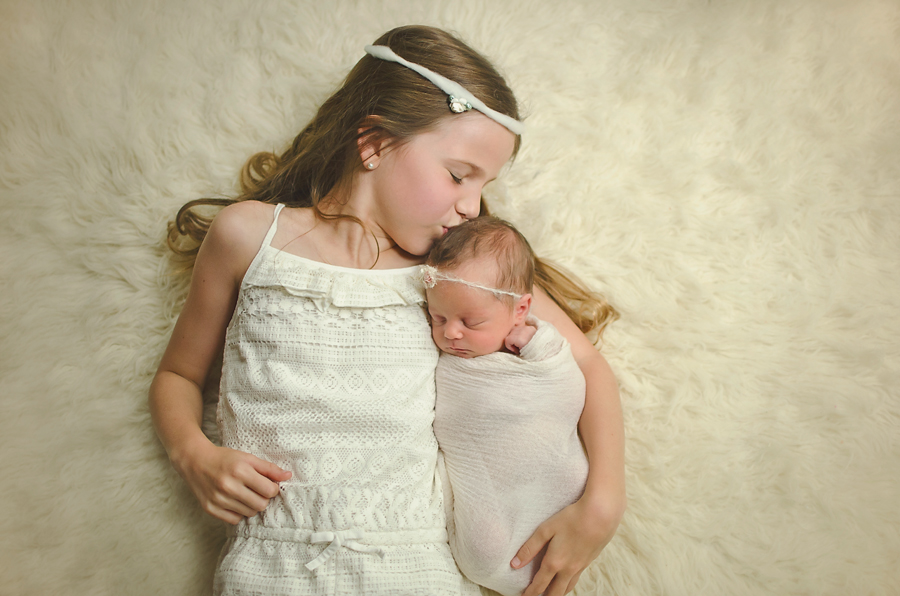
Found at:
<point>452,331</point>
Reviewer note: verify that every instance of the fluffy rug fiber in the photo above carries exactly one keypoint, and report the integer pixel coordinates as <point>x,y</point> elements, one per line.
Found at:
<point>726,173</point>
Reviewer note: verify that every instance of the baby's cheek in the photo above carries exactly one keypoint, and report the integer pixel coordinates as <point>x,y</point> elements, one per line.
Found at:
<point>493,339</point>
<point>488,343</point>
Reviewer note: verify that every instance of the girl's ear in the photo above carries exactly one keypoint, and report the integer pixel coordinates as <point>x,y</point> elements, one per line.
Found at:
<point>370,141</point>
<point>521,309</point>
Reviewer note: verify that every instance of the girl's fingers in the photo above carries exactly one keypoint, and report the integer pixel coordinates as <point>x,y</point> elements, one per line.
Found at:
<point>249,501</point>
<point>224,509</point>
<point>224,514</point>
<point>262,487</point>
<point>237,485</point>
<point>557,587</point>
<point>270,471</point>
<point>531,548</point>
<point>246,504</point>
<point>235,495</point>
<point>539,584</point>
<point>260,477</point>
<point>573,582</point>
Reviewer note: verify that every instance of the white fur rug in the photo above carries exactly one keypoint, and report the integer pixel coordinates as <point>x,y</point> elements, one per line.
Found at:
<point>727,173</point>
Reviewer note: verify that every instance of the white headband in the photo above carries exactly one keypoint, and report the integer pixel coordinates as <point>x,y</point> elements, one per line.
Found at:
<point>460,100</point>
<point>430,276</point>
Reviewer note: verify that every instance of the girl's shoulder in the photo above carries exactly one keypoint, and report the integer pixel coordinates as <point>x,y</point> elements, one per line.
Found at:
<point>245,218</point>
<point>235,236</point>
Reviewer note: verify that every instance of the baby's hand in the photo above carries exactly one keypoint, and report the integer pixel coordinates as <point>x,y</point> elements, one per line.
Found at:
<point>519,337</point>
<point>230,484</point>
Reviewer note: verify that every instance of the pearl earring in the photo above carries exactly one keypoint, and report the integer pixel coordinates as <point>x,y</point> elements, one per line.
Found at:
<point>370,165</point>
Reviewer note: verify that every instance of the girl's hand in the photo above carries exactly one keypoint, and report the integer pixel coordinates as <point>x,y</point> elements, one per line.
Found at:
<point>229,484</point>
<point>574,537</point>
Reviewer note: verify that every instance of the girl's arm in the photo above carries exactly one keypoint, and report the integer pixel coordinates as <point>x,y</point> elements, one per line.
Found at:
<point>575,536</point>
<point>229,484</point>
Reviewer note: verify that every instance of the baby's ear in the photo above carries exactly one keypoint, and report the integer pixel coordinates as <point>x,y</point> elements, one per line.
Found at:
<point>521,309</point>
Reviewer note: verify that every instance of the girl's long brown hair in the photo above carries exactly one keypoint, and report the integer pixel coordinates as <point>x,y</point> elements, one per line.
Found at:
<point>587,309</point>
<point>386,104</point>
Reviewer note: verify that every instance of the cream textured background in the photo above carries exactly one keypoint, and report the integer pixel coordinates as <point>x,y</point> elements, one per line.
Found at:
<point>727,173</point>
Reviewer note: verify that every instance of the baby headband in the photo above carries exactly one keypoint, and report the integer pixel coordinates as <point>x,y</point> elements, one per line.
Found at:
<point>459,99</point>
<point>430,276</point>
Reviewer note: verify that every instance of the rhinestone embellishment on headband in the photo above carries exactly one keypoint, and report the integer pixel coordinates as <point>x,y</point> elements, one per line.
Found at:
<point>459,105</point>
<point>460,100</point>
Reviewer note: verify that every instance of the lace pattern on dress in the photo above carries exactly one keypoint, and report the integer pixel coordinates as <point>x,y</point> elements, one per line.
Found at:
<point>329,372</point>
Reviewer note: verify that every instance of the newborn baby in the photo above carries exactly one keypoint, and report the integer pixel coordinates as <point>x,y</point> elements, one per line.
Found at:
<point>509,397</point>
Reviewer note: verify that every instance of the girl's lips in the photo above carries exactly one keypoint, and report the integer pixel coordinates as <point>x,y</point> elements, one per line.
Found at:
<point>444,230</point>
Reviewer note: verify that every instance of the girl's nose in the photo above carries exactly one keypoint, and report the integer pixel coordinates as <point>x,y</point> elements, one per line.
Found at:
<point>469,206</point>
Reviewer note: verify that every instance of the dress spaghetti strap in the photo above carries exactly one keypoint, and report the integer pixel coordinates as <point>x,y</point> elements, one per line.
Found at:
<point>274,227</point>
<point>267,241</point>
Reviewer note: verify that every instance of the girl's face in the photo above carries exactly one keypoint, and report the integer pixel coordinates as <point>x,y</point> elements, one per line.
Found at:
<point>469,322</point>
<point>434,181</point>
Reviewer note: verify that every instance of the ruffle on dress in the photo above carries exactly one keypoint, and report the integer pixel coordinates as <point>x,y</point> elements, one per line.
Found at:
<point>330,285</point>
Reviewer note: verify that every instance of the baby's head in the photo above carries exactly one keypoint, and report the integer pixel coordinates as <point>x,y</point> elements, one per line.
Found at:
<point>478,280</point>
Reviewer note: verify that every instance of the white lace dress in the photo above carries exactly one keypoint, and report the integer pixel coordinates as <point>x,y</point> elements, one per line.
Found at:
<point>329,372</point>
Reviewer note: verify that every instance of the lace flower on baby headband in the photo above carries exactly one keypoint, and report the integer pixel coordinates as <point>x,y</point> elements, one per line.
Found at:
<point>459,99</point>
<point>430,276</point>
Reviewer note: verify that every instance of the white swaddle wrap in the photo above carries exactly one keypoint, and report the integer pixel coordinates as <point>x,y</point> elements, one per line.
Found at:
<point>507,426</point>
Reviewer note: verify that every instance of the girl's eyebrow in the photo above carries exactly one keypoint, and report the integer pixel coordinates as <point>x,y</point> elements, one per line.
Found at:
<point>474,169</point>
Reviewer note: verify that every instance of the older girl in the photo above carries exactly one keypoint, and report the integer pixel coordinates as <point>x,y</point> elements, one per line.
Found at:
<point>328,463</point>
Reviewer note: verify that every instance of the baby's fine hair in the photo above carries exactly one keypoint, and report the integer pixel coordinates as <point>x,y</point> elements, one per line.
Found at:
<point>519,269</point>
<point>378,102</point>
<point>492,238</point>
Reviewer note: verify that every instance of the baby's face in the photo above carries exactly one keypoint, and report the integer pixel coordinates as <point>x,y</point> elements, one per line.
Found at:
<point>465,321</point>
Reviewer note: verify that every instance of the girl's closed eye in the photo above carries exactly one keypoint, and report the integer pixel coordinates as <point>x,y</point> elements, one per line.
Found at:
<point>456,178</point>
<point>436,320</point>
<point>472,324</point>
